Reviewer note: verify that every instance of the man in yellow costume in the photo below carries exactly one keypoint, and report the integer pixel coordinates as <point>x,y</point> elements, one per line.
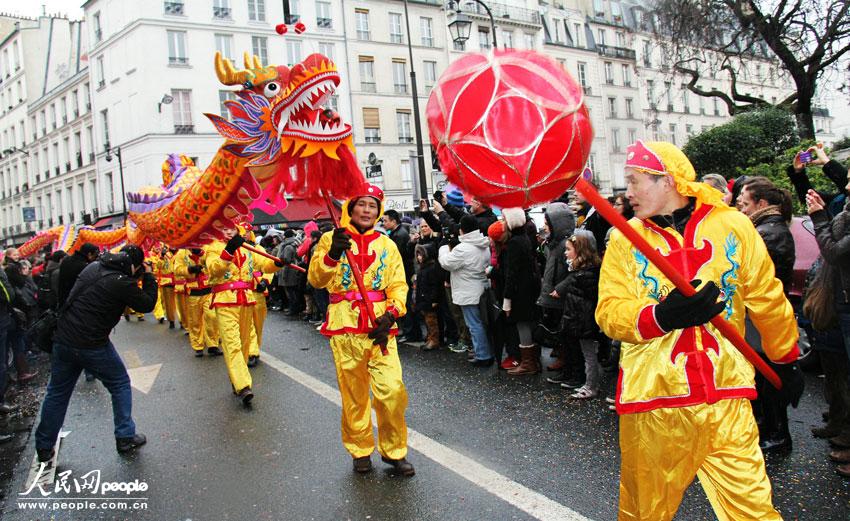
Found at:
<point>683,389</point>
<point>261,291</point>
<point>181,293</point>
<point>153,259</point>
<point>231,270</point>
<point>356,344</point>
<point>166,283</point>
<point>202,322</point>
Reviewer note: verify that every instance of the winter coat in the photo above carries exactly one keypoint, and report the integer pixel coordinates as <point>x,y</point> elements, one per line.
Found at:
<point>780,246</point>
<point>595,224</point>
<point>579,292</point>
<point>288,252</point>
<point>429,286</point>
<point>485,219</point>
<point>834,243</point>
<point>69,269</point>
<point>466,263</point>
<point>401,238</point>
<point>48,286</point>
<point>97,301</point>
<point>562,224</point>
<point>522,279</point>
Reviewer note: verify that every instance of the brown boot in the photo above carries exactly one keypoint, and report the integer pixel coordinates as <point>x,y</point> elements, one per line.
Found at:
<point>840,456</point>
<point>527,364</point>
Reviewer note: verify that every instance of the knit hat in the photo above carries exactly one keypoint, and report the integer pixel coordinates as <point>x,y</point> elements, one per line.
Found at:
<point>497,231</point>
<point>455,198</point>
<point>514,217</point>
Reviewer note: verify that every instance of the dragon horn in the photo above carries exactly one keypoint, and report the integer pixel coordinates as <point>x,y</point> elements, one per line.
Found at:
<point>257,63</point>
<point>246,59</point>
<point>227,73</point>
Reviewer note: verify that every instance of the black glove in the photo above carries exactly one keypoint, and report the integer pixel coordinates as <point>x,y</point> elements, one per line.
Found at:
<point>262,286</point>
<point>340,242</point>
<point>196,269</point>
<point>380,335</point>
<point>234,244</point>
<point>678,311</point>
<point>279,263</point>
<point>792,382</point>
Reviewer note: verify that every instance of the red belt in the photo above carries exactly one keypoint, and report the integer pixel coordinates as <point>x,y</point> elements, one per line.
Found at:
<point>354,296</point>
<point>218,288</point>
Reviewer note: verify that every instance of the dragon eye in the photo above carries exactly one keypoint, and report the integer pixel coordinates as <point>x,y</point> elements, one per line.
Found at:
<point>271,89</point>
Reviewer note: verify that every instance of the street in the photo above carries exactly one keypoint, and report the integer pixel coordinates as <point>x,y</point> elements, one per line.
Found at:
<point>486,446</point>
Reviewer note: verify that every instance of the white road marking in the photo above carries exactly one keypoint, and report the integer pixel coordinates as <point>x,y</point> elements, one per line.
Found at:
<point>142,378</point>
<point>522,497</point>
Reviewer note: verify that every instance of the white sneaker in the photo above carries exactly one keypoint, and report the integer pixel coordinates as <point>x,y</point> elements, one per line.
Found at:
<point>583,393</point>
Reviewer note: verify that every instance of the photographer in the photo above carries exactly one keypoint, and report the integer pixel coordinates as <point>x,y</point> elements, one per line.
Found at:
<point>94,307</point>
<point>835,171</point>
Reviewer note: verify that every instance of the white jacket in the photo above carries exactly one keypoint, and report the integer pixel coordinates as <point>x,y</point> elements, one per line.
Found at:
<point>466,263</point>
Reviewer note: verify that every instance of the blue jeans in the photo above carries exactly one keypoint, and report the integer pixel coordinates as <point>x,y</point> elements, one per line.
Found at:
<point>67,364</point>
<point>480,344</point>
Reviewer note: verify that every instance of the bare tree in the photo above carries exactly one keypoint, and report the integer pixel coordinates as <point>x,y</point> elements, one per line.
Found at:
<point>808,37</point>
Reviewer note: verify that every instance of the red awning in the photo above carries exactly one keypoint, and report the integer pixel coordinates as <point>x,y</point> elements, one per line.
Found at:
<point>297,212</point>
<point>113,221</point>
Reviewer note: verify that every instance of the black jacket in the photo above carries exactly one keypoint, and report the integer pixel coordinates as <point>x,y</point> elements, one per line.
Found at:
<point>834,243</point>
<point>98,299</point>
<point>485,219</point>
<point>69,269</point>
<point>835,171</point>
<point>401,238</point>
<point>580,293</point>
<point>429,286</point>
<point>562,224</point>
<point>595,224</point>
<point>780,246</point>
<point>522,278</point>
<point>7,293</point>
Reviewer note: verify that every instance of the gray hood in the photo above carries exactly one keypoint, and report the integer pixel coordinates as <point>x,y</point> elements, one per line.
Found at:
<point>562,221</point>
<point>476,239</point>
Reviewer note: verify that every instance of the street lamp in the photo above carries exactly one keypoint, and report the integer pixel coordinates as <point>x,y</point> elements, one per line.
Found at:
<point>420,151</point>
<point>117,151</point>
<point>462,24</point>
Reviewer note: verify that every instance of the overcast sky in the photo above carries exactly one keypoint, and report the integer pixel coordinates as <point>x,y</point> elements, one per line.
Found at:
<point>838,104</point>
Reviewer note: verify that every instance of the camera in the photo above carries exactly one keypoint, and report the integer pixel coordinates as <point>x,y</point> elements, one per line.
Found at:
<point>806,157</point>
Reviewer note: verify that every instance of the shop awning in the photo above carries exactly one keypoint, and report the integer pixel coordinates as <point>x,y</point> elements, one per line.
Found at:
<point>297,213</point>
<point>111,222</point>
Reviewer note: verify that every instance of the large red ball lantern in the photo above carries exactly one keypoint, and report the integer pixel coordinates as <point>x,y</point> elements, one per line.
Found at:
<point>510,127</point>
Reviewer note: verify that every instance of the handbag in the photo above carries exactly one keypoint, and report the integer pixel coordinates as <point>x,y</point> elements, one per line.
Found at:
<point>819,304</point>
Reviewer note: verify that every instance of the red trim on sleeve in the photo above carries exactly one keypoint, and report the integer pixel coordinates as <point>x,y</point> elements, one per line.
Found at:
<point>791,357</point>
<point>331,263</point>
<point>647,325</point>
<point>393,311</point>
<point>226,256</point>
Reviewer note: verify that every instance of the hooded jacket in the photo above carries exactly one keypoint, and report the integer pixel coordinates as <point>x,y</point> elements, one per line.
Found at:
<point>97,301</point>
<point>562,224</point>
<point>69,269</point>
<point>288,253</point>
<point>466,263</point>
<point>780,245</point>
<point>834,243</point>
<point>522,276</point>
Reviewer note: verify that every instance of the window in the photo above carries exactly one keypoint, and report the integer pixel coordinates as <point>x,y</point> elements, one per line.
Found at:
<point>577,29</point>
<point>650,93</point>
<point>686,99</point>
<point>430,73</point>
<point>63,105</point>
<point>403,121</point>
<point>225,95</point>
<point>294,10</point>
<point>582,74</point>
<point>406,175</point>
<point>400,76</point>
<point>78,148</point>
<point>104,120</point>
<point>16,55</point>
<point>621,39</point>
<point>629,109</point>
<point>98,30</point>
<point>668,93</point>
<point>66,148</point>
<point>260,47</point>
<point>224,45</point>
<point>396,35</point>
<point>627,75</point>
<point>372,125</point>
<point>591,161</point>
<point>257,10</point>
<point>182,107</point>
<point>716,106</point>
<point>609,73</point>
<point>293,52</point>
<point>632,135</point>
<point>459,46</point>
<point>702,105</point>
<point>327,49</point>
<point>599,8</point>
<point>612,107</point>
<point>689,129</point>
<point>177,48</point>
<point>53,115</point>
<point>557,25</point>
<point>507,39</point>
<point>323,15</point>
<point>647,54</point>
<point>367,74</point>
<point>221,9</point>
<point>101,72</point>
<point>361,20</point>
<point>601,38</point>
<point>483,38</point>
<point>528,40</point>
<point>426,31</point>
<point>75,103</point>
<point>673,133</point>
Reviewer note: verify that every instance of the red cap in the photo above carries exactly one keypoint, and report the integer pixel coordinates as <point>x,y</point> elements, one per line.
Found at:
<point>640,157</point>
<point>369,190</point>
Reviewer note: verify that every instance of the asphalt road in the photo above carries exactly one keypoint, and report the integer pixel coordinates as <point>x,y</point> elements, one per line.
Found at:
<point>486,446</point>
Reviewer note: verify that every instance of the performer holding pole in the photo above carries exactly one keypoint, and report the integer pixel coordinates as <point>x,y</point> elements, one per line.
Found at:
<point>356,344</point>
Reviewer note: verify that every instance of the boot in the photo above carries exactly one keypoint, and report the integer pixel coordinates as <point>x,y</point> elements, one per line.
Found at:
<point>835,389</point>
<point>537,351</point>
<point>560,361</point>
<point>842,441</point>
<point>527,363</point>
<point>23,369</point>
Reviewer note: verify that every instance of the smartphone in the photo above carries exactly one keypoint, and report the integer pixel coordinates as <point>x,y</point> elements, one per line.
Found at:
<point>806,157</point>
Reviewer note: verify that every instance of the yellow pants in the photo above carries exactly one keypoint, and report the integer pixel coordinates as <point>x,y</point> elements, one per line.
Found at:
<point>202,322</point>
<point>236,327</point>
<point>259,320</point>
<point>158,310</point>
<point>182,301</point>
<point>662,451</point>
<point>168,303</point>
<point>360,367</point>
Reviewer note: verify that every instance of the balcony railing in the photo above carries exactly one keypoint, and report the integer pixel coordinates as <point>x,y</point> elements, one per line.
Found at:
<point>616,52</point>
<point>588,91</point>
<point>364,35</point>
<point>324,23</point>
<point>368,86</point>
<point>178,60</point>
<point>184,129</point>
<point>222,13</point>
<point>396,38</point>
<point>57,169</point>
<point>405,139</point>
<point>91,157</point>
<point>504,11</point>
<point>79,159</point>
<point>400,88</point>
<point>174,8</point>
<point>68,166</point>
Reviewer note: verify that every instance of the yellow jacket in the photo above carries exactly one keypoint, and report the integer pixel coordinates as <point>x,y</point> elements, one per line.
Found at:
<point>383,276</point>
<point>232,276</point>
<point>166,269</point>
<point>259,275</point>
<point>194,282</point>
<point>181,272</point>
<point>694,365</point>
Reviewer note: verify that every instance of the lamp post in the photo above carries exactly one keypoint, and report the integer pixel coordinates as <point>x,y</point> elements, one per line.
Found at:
<point>461,24</point>
<point>117,151</point>
<point>420,151</point>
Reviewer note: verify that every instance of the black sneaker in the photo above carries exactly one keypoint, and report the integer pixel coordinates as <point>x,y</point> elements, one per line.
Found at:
<point>559,378</point>
<point>481,363</point>
<point>363,465</point>
<point>140,319</point>
<point>170,324</point>
<point>199,353</point>
<point>402,466</point>
<point>162,320</point>
<point>246,396</point>
<point>126,317</point>
<point>44,455</point>
<point>253,360</point>
<point>128,444</point>
<point>214,351</point>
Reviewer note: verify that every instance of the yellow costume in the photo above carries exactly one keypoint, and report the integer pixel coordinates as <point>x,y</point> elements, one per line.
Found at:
<point>261,292</point>
<point>166,283</point>
<point>202,323</point>
<point>232,280</point>
<point>683,395</point>
<point>158,310</point>
<point>360,366</point>
<point>180,291</point>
